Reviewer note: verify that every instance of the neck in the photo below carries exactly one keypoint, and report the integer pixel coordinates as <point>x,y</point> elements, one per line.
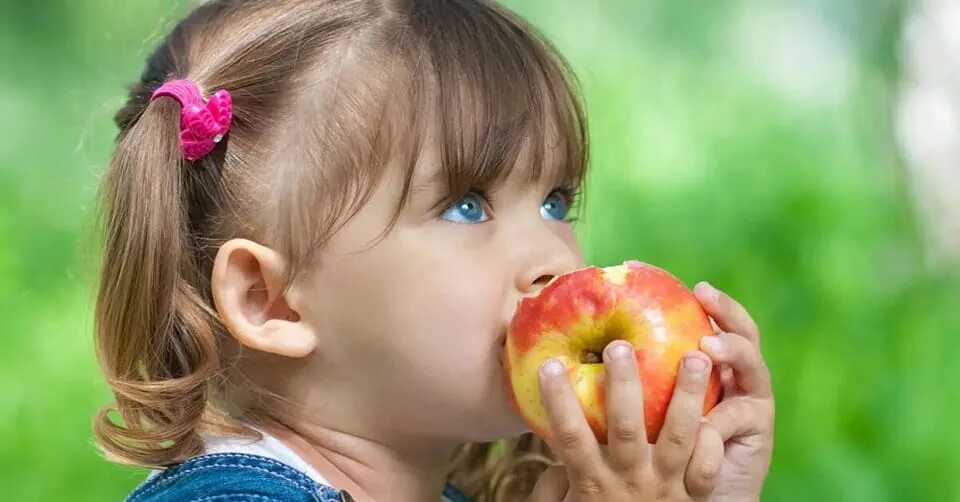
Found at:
<point>370,470</point>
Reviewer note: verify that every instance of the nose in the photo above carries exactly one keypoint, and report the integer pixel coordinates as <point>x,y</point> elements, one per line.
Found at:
<point>543,257</point>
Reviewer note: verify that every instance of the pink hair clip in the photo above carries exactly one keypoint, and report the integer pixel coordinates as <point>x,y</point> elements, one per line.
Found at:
<point>202,125</point>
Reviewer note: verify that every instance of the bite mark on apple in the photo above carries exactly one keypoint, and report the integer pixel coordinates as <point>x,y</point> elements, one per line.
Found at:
<point>616,275</point>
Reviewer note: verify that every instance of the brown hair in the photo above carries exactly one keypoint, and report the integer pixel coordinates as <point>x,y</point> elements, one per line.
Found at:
<point>326,93</point>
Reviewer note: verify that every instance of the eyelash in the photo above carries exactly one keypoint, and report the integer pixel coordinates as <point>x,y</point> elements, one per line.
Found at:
<point>571,195</point>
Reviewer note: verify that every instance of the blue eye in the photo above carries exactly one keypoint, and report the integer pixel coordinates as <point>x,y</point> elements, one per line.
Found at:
<point>468,209</point>
<point>555,207</point>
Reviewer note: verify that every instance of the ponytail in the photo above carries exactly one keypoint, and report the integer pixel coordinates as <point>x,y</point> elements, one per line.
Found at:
<point>317,120</point>
<point>156,337</point>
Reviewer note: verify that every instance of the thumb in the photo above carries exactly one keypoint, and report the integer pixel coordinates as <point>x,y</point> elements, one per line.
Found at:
<point>552,485</point>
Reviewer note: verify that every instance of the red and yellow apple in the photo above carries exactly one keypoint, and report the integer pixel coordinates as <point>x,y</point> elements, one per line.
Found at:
<point>577,314</point>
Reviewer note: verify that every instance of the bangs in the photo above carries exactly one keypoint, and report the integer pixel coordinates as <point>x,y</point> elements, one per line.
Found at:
<point>465,77</point>
<point>495,97</point>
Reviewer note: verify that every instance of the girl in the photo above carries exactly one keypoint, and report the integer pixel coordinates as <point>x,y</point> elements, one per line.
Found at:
<point>319,217</point>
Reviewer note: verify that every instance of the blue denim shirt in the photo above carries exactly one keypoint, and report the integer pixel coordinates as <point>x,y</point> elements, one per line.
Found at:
<point>241,477</point>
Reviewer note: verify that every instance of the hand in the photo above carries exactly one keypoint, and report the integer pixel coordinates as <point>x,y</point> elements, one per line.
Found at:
<point>744,418</point>
<point>683,465</point>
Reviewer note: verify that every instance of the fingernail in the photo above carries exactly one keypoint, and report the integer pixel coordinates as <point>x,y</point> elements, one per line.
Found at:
<point>619,350</point>
<point>707,289</point>
<point>712,344</point>
<point>694,364</point>
<point>551,368</point>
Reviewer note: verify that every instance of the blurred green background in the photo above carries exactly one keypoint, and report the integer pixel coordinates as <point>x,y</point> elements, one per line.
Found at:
<point>747,143</point>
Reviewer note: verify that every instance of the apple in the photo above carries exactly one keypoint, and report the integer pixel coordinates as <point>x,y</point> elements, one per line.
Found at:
<point>577,314</point>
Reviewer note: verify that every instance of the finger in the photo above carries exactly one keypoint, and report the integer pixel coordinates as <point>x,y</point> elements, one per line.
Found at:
<point>729,315</point>
<point>750,373</point>
<point>727,382</point>
<point>704,467</point>
<point>626,432</point>
<point>573,441</point>
<point>551,486</point>
<point>741,416</point>
<point>682,422</point>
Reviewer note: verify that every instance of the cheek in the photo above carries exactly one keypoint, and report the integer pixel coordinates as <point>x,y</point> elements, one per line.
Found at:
<point>450,306</point>
<point>447,282</point>
<point>424,301</point>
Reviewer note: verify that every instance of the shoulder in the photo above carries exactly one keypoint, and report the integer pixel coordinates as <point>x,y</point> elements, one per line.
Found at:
<point>232,477</point>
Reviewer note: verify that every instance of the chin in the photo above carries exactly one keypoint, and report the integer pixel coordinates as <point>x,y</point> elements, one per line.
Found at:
<point>509,423</point>
<point>500,417</point>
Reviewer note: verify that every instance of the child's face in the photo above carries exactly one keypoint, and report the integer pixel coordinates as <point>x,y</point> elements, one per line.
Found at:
<point>411,326</point>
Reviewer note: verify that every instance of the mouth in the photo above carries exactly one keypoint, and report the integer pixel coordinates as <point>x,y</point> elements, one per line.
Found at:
<point>501,348</point>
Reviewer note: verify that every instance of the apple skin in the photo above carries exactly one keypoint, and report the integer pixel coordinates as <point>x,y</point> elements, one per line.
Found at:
<point>577,314</point>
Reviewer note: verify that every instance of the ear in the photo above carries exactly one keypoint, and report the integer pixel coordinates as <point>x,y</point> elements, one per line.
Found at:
<point>247,285</point>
